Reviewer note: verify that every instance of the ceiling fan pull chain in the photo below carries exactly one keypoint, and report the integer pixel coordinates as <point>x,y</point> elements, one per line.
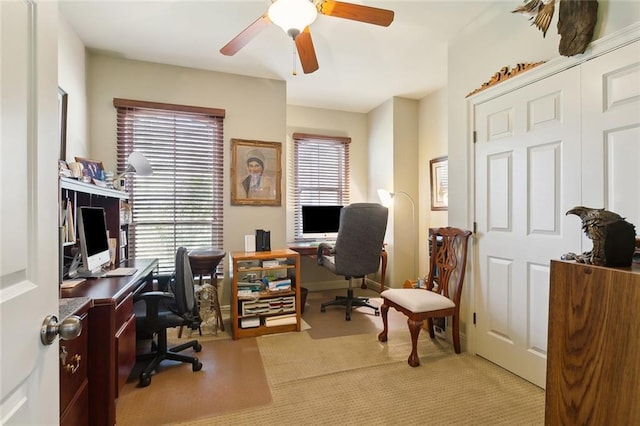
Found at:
<point>294,59</point>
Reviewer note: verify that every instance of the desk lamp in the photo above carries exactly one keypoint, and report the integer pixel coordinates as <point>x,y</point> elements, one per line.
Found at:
<point>386,198</point>
<point>138,164</point>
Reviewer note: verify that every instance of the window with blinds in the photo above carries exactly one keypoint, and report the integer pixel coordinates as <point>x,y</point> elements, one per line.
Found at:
<point>321,173</point>
<point>181,204</point>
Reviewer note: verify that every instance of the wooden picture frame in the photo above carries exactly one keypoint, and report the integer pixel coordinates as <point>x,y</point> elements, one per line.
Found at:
<point>263,160</point>
<point>439,183</point>
<point>63,99</point>
<point>91,168</point>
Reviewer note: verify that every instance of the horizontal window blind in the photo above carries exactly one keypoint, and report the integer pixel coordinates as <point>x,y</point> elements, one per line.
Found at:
<point>321,173</point>
<point>181,204</point>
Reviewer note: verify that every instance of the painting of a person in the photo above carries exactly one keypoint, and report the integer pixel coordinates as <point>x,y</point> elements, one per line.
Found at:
<point>256,184</point>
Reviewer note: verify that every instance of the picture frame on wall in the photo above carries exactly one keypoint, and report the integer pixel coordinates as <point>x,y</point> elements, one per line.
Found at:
<point>439,183</point>
<point>63,99</point>
<point>256,173</point>
<point>92,168</point>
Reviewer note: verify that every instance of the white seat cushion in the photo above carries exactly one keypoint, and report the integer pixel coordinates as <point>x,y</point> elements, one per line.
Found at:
<point>417,300</point>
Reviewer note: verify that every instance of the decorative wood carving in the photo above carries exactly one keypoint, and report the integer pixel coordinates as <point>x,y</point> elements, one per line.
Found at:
<point>504,74</point>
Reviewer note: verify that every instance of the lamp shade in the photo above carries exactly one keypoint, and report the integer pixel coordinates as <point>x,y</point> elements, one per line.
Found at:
<point>292,15</point>
<point>139,164</point>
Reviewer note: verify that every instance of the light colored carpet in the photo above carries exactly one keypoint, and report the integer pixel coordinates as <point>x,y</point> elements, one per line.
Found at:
<point>358,380</point>
<point>344,379</point>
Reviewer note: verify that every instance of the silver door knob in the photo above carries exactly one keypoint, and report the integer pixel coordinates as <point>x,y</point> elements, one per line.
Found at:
<point>68,329</point>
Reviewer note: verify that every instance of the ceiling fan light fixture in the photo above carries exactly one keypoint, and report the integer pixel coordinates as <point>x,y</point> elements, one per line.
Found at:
<point>293,16</point>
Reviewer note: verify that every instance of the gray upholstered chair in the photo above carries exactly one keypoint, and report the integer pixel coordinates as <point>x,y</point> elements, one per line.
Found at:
<point>357,250</point>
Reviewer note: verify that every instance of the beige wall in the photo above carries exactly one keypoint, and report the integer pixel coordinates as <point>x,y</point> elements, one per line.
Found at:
<point>71,78</point>
<point>393,158</point>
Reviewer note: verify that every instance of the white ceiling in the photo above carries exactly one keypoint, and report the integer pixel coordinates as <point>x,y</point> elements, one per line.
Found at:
<point>361,65</point>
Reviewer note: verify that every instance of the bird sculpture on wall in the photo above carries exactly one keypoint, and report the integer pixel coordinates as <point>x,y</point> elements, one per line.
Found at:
<point>576,21</point>
<point>613,237</point>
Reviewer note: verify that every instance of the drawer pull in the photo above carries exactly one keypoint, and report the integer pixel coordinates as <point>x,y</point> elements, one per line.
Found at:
<point>70,368</point>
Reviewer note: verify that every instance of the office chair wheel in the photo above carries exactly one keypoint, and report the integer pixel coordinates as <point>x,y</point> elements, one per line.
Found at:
<point>377,313</point>
<point>145,380</point>
<point>196,365</point>
<point>197,347</point>
<point>322,309</point>
<point>348,317</point>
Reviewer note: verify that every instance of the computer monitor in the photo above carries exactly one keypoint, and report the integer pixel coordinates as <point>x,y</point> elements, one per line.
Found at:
<point>94,240</point>
<point>320,222</point>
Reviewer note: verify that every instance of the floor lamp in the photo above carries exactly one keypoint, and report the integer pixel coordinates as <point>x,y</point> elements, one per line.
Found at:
<point>386,198</point>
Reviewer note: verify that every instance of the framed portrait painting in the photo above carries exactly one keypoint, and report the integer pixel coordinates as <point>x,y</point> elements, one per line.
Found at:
<point>439,183</point>
<point>256,173</point>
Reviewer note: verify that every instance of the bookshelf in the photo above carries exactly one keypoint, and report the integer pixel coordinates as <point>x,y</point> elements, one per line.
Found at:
<point>256,310</point>
<point>73,194</point>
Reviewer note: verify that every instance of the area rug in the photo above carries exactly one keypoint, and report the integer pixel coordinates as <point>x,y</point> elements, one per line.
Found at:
<point>354,380</point>
<point>176,392</point>
<point>332,323</point>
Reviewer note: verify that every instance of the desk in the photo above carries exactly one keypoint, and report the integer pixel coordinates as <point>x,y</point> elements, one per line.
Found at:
<point>112,335</point>
<point>311,250</point>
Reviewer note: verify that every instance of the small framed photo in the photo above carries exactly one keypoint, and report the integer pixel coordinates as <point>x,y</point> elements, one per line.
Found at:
<point>255,173</point>
<point>91,168</point>
<point>439,183</point>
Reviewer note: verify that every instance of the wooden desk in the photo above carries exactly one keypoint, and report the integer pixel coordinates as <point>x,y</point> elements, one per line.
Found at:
<point>111,334</point>
<point>311,250</point>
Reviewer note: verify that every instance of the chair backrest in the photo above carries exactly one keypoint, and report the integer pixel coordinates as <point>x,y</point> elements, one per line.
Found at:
<point>183,285</point>
<point>360,238</point>
<point>448,259</point>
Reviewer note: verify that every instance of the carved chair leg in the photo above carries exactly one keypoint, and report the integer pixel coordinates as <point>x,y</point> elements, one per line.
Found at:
<point>383,334</point>
<point>414,329</point>
<point>456,332</point>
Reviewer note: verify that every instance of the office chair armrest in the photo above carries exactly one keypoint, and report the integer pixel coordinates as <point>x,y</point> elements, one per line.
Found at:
<point>152,300</point>
<point>324,249</point>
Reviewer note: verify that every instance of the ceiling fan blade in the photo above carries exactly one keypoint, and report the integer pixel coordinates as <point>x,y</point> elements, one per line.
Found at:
<point>306,51</point>
<point>239,41</point>
<point>356,12</point>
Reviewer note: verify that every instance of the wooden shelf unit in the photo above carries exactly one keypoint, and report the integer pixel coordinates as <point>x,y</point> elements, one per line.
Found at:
<point>87,194</point>
<point>289,265</point>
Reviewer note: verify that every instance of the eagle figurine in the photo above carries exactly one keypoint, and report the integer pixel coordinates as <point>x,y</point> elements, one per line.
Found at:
<point>576,21</point>
<point>613,237</point>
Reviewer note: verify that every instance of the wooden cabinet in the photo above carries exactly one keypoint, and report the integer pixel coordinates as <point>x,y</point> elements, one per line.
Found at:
<point>265,311</point>
<point>111,335</point>
<point>594,345</point>
<point>74,382</point>
<point>74,194</point>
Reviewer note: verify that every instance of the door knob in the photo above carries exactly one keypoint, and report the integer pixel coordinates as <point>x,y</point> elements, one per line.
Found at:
<point>68,329</point>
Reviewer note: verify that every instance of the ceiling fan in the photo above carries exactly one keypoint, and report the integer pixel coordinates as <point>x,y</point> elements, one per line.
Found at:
<point>295,16</point>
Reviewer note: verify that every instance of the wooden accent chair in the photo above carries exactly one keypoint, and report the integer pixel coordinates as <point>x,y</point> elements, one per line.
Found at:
<point>441,297</point>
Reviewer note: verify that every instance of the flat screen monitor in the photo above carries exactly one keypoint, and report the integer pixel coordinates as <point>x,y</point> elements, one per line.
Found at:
<point>94,240</point>
<point>320,222</point>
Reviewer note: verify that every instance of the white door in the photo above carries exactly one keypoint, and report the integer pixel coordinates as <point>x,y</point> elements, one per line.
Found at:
<point>28,211</point>
<point>527,176</point>
<point>611,133</point>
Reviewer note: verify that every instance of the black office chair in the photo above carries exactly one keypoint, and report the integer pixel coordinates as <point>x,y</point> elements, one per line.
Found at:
<point>158,310</point>
<point>357,250</point>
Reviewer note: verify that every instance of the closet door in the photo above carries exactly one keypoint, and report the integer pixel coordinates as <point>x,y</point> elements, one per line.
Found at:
<point>527,164</point>
<point>611,133</point>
